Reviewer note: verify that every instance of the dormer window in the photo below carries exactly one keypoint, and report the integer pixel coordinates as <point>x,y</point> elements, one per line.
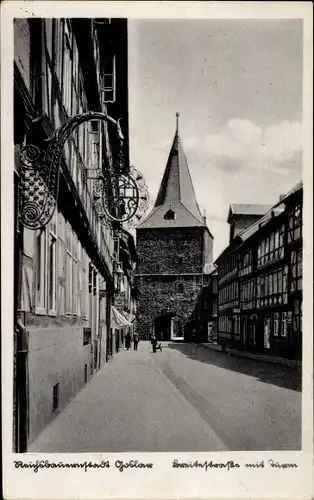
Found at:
<point>170,215</point>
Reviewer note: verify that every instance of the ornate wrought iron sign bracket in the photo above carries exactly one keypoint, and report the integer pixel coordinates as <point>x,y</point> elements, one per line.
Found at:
<point>120,193</point>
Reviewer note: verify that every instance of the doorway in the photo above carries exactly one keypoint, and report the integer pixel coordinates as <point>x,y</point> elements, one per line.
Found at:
<point>267,332</point>
<point>164,326</point>
<point>244,331</point>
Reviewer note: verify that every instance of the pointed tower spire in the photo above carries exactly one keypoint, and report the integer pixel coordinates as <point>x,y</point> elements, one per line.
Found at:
<point>177,122</point>
<point>176,190</point>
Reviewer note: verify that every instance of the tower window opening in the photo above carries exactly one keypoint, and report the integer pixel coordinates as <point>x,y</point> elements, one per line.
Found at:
<point>170,215</point>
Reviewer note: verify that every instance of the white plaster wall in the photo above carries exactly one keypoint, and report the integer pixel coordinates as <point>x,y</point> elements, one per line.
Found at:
<point>22,48</point>
<point>56,355</point>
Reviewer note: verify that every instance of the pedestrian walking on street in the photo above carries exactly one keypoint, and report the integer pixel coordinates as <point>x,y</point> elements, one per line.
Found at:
<point>128,340</point>
<point>136,340</point>
<point>154,342</point>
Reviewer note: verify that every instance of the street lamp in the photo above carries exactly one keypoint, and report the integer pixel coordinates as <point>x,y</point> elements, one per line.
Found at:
<point>118,273</point>
<point>120,193</point>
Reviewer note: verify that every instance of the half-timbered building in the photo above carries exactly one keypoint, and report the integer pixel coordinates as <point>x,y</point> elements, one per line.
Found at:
<point>260,282</point>
<point>64,272</point>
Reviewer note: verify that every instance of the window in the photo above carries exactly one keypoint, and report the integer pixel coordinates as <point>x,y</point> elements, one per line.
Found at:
<point>267,333</point>
<point>94,126</point>
<point>180,287</point>
<point>40,269</point>
<point>276,324</point>
<point>75,297</point>
<point>271,242</point>
<point>90,278</point>
<point>49,43</point>
<point>270,284</point>
<point>170,215</point>
<point>296,270</point>
<point>272,288</point>
<point>108,80</point>
<point>297,316</point>
<point>84,294</point>
<point>279,281</point>
<point>52,285</point>
<point>87,335</point>
<point>95,155</point>
<point>284,324</point>
<point>75,290</point>
<point>247,291</point>
<point>276,239</point>
<point>67,69</point>
<point>271,247</point>
<point>275,283</point>
<point>95,282</point>
<point>58,48</point>
<point>295,223</point>
<point>236,327</point>
<point>46,269</point>
<point>214,307</point>
<point>245,264</point>
<point>69,283</point>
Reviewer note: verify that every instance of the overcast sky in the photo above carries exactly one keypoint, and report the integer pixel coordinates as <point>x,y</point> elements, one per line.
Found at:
<point>238,87</point>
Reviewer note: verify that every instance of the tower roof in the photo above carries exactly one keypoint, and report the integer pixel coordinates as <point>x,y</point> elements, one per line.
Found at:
<point>176,204</point>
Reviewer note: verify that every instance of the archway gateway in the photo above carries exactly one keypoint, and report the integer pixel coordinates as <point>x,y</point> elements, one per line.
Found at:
<point>163,326</point>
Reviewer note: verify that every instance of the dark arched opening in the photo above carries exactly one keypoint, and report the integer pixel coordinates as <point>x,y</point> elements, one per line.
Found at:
<point>163,326</point>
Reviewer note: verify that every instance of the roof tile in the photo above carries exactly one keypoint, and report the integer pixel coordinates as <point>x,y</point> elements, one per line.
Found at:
<point>176,192</point>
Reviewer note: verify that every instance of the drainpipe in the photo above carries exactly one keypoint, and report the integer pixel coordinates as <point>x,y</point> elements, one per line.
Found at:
<point>21,386</point>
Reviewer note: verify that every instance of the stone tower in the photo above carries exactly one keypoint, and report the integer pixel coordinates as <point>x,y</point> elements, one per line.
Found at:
<point>175,253</point>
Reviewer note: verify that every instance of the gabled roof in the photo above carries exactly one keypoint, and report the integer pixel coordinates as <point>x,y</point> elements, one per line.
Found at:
<point>176,193</point>
<point>247,209</point>
<point>274,211</point>
<point>246,233</point>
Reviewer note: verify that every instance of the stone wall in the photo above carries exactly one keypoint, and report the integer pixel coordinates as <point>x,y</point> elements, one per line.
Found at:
<point>164,276</point>
<point>208,248</point>
<point>176,294</point>
<point>169,251</point>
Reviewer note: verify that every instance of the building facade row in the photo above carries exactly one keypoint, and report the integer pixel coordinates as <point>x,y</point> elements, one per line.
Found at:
<point>260,278</point>
<point>124,309</point>
<point>64,282</point>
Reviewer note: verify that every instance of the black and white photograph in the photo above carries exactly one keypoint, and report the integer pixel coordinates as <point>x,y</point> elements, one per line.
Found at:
<point>159,250</point>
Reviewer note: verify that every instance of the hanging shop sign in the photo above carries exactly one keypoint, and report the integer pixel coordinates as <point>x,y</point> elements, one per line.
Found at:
<point>120,192</point>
